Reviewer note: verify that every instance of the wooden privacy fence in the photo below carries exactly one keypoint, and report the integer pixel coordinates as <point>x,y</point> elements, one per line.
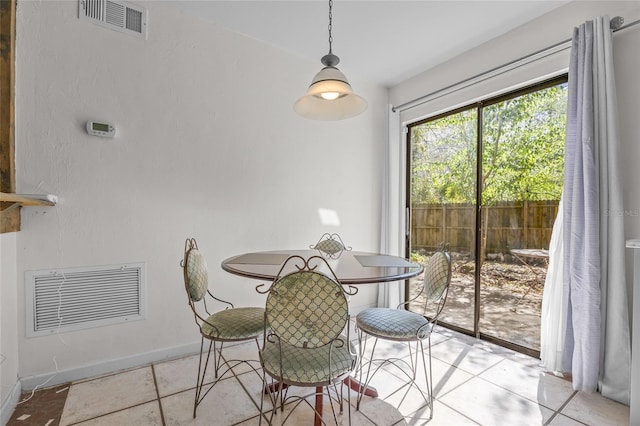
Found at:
<point>506,225</point>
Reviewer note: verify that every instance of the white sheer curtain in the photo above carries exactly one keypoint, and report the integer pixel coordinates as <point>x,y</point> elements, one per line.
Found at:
<point>596,342</point>
<point>553,319</point>
<point>391,294</point>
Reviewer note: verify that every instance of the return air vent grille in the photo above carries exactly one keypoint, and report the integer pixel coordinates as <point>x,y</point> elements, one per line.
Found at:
<point>117,15</point>
<point>78,298</point>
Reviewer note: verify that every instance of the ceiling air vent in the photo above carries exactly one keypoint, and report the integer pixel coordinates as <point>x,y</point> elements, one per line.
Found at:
<point>116,15</point>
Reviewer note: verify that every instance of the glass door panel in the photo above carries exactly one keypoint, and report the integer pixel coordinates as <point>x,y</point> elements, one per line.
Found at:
<point>497,219</point>
<point>522,171</point>
<point>443,158</point>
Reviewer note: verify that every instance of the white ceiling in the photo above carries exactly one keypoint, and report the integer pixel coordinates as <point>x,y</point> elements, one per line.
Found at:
<point>384,42</point>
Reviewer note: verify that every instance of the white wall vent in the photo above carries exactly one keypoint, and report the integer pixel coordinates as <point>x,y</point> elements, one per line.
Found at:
<point>77,298</point>
<point>116,15</point>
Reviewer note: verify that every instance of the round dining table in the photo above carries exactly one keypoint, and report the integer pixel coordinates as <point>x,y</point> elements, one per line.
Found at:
<point>350,268</point>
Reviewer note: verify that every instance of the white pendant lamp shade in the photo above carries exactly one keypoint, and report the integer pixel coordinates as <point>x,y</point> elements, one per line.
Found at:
<point>330,97</point>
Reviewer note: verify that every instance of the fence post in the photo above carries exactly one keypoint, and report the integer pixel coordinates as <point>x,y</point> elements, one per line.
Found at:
<point>525,223</point>
<point>484,232</point>
<point>444,222</point>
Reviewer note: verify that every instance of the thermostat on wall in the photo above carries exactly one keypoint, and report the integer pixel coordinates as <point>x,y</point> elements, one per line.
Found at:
<point>98,128</point>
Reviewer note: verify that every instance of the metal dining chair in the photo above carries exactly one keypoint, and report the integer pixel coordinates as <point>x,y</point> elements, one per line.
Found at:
<point>304,346</point>
<point>412,328</point>
<point>330,246</point>
<point>229,324</point>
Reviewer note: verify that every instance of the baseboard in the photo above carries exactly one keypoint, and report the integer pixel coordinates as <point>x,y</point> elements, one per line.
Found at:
<point>9,404</point>
<point>105,367</point>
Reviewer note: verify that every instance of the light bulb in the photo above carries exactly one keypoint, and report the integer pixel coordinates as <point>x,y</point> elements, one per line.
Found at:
<point>330,96</point>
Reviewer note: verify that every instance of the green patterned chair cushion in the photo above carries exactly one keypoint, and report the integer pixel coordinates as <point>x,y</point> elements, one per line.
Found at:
<point>307,366</point>
<point>234,324</point>
<point>306,309</point>
<point>393,324</point>
<point>436,276</point>
<point>403,325</point>
<point>197,275</point>
<point>330,246</point>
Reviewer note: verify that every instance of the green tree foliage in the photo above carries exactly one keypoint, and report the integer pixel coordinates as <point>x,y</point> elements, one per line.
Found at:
<point>522,151</point>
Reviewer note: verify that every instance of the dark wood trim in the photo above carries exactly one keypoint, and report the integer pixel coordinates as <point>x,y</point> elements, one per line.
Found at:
<point>478,225</point>
<point>9,212</point>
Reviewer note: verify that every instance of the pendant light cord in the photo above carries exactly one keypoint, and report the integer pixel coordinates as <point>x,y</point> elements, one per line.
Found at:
<point>330,60</point>
<point>330,24</point>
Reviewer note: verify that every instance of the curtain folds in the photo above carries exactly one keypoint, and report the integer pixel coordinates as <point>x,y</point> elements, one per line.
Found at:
<point>554,306</point>
<point>594,327</point>
<point>615,361</point>
<point>581,222</point>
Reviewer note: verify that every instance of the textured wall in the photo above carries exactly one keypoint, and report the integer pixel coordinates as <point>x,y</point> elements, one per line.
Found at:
<point>207,146</point>
<point>8,314</point>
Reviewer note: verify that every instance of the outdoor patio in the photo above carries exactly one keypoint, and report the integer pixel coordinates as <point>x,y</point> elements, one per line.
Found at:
<point>511,298</point>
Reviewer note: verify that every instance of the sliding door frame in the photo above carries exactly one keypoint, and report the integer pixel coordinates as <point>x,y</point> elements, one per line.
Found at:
<point>479,106</point>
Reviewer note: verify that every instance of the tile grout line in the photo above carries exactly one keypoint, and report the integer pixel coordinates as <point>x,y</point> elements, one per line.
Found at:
<point>79,422</point>
<point>472,376</point>
<point>458,412</point>
<point>155,384</point>
<point>237,378</point>
<point>478,376</point>
<point>483,379</point>
<point>562,407</point>
<point>241,377</point>
<point>450,365</point>
<point>555,412</point>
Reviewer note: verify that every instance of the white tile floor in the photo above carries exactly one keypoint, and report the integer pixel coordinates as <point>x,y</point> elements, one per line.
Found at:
<point>474,383</point>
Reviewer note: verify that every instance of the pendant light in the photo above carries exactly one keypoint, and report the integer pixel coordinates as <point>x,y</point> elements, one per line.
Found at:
<point>330,96</point>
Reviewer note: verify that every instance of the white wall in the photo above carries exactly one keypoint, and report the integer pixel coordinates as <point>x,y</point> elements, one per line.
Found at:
<point>548,30</point>
<point>207,146</point>
<point>627,64</point>
<point>9,386</point>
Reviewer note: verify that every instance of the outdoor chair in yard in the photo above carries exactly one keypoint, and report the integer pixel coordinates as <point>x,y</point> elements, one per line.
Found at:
<point>226,325</point>
<point>306,315</point>
<point>402,325</point>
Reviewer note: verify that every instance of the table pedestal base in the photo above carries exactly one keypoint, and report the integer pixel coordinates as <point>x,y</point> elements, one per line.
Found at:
<point>352,383</point>
<point>355,385</point>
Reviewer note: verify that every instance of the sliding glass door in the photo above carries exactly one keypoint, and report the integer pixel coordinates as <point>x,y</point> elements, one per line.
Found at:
<point>487,180</point>
<point>443,203</point>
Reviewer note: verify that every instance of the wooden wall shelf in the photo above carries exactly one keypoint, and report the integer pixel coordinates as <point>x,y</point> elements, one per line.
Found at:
<point>28,199</point>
